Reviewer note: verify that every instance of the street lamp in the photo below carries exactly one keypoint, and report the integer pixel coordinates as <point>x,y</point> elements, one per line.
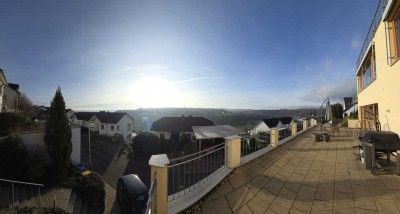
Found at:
<point>90,153</point>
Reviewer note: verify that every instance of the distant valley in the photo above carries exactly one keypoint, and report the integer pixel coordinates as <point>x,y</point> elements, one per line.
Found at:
<point>242,119</point>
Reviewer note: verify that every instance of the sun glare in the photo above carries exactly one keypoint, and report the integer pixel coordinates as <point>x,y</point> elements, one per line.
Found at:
<point>154,92</point>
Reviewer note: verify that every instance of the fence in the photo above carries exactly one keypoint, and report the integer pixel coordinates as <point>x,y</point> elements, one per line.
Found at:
<point>187,173</point>
<point>250,144</point>
<point>39,199</point>
<point>284,133</point>
<point>372,29</point>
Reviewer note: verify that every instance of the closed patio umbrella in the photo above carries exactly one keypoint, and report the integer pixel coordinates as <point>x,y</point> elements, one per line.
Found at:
<point>328,114</point>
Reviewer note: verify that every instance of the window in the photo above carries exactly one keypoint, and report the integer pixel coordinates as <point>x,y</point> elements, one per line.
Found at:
<point>117,127</point>
<point>102,126</point>
<point>393,33</point>
<point>162,136</point>
<point>5,98</point>
<point>129,127</point>
<point>367,73</point>
<point>112,127</point>
<point>370,115</point>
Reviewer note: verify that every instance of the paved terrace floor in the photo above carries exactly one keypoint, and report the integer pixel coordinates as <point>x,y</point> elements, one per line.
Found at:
<point>302,177</point>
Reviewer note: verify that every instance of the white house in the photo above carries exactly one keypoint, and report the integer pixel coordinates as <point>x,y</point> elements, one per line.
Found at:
<point>108,123</point>
<point>72,117</point>
<point>9,94</point>
<point>268,124</point>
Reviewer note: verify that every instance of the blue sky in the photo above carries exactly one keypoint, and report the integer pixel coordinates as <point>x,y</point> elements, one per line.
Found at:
<point>215,54</point>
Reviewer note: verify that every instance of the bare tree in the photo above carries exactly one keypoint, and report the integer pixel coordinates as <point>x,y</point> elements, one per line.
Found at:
<point>25,105</point>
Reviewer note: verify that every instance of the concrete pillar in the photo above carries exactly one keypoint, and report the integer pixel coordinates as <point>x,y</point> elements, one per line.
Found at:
<point>159,165</point>
<point>294,129</point>
<point>274,137</point>
<point>232,144</point>
<point>304,124</point>
<point>313,122</point>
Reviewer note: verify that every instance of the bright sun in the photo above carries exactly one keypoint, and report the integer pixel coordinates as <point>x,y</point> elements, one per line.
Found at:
<point>154,92</point>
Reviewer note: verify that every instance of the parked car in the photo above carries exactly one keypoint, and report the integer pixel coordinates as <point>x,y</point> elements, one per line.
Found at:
<point>132,194</point>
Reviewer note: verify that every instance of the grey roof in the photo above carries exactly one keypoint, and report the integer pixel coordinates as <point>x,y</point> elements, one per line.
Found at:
<point>218,131</point>
<point>104,117</point>
<point>179,124</point>
<point>273,122</point>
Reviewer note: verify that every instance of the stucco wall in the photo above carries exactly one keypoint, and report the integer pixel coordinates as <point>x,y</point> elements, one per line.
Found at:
<point>352,123</point>
<point>385,89</point>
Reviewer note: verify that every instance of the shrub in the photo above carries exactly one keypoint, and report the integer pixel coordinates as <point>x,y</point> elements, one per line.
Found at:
<point>10,122</point>
<point>146,144</point>
<point>12,157</point>
<point>36,168</point>
<point>92,187</point>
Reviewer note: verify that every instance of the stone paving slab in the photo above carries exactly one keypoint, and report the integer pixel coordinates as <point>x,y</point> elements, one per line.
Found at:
<point>305,177</point>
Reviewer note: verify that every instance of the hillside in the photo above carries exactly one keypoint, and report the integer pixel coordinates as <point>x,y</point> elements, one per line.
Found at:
<point>144,117</point>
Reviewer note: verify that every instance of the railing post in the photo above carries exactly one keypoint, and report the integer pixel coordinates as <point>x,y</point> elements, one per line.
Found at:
<point>159,164</point>
<point>232,145</point>
<point>313,122</point>
<point>304,124</point>
<point>294,129</point>
<point>274,136</point>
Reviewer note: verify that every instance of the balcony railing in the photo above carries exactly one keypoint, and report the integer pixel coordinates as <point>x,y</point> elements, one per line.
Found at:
<point>251,144</point>
<point>187,173</point>
<point>372,29</point>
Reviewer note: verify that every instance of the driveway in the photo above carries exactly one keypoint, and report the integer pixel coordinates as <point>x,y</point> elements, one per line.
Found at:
<point>111,165</point>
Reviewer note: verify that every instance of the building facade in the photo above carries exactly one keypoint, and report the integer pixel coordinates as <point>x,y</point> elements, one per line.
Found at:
<point>9,94</point>
<point>378,69</point>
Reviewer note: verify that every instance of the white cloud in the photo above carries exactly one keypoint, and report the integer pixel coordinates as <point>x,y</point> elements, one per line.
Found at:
<point>334,90</point>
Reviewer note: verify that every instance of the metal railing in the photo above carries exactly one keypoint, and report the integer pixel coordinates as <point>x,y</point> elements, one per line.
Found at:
<point>299,126</point>
<point>39,202</point>
<point>284,133</point>
<point>152,192</point>
<point>251,144</point>
<point>372,29</point>
<point>187,173</point>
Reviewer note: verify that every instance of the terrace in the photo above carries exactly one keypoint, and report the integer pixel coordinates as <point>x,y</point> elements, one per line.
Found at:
<point>292,174</point>
<point>304,177</point>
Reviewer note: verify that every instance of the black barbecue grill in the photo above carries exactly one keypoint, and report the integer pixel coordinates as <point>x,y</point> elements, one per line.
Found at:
<point>379,143</point>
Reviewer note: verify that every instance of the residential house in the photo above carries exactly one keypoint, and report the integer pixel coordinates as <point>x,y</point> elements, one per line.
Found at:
<point>72,117</point>
<point>350,106</point>
<point>84,118</point>
<point>178,128</point>
<point>268,124</point>
<point>9,94</point>
<point>378,69</point>
<point>108,123</point>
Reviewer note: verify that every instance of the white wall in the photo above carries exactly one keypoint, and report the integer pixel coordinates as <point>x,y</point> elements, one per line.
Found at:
<point>34,143</point>
<point>167,135</point>
<point>123,128</point>
<point>260,127</point>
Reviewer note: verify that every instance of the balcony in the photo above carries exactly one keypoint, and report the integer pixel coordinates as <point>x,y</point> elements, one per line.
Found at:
<point>301,176</point>
<point>372,29</point>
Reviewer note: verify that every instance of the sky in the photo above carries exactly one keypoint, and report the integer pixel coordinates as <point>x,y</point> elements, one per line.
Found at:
<point>126,54</point>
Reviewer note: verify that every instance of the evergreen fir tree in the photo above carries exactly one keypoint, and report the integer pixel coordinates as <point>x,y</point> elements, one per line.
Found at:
<point>58,136</point>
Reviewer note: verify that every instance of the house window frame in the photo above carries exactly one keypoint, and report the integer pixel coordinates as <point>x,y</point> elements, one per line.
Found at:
<point>117,127</point>
<point>369,62</point>
<point>102,126</point>
<point>393,37</point>
<point>112,127</point>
